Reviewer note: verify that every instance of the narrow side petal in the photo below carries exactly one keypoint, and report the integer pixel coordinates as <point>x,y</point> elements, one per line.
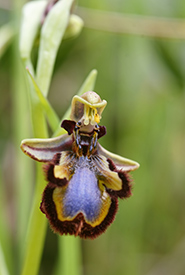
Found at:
<point>44,150</point>
<point>121,163</point>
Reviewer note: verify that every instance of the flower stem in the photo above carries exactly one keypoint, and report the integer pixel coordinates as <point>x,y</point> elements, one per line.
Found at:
<point>70,253</point>
<point>37,230</point>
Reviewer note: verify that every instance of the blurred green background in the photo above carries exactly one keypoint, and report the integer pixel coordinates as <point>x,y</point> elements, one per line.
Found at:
<point>143,80</point>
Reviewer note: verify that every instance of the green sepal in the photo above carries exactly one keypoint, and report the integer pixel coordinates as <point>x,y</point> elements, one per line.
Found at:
<point>87,107</point>
<point>88,85</point>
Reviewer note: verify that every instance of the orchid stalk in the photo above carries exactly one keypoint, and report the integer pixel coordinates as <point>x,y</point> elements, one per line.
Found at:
<point>53,31</point>
<point>84,180</point>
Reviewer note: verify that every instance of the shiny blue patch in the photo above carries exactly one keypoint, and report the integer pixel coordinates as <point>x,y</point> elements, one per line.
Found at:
<point>82,195</point>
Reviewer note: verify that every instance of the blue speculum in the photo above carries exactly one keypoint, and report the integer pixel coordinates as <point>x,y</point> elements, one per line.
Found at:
<point>83,195</point>
<point>84,179</point>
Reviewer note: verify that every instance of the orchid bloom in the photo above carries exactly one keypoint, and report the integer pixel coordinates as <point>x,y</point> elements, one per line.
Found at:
<point>84,180</point>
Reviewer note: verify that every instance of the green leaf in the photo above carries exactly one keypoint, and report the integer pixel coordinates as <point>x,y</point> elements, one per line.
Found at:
<point>31,21</point>
<point>52,33</point>
<point>51,115</point>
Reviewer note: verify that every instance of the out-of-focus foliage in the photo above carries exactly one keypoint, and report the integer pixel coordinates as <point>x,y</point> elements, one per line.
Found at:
<point>143,81</point>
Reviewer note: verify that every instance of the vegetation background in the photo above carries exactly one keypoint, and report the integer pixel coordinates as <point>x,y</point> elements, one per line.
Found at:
<point>143,79</point>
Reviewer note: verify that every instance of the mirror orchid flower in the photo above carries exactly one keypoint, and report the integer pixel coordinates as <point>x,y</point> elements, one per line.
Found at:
<point>84,179</point>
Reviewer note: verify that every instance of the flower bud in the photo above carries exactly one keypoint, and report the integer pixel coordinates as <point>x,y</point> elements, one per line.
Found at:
<point>74,27</point>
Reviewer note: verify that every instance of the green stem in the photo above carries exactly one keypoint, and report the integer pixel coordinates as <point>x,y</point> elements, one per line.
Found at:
<point>51,35</point>
<point>69,247</point>
<point>37,225</point>
<point>69,262</point>
<point>20,130</point>
<point>37,230</point>
<point>3,266</point>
